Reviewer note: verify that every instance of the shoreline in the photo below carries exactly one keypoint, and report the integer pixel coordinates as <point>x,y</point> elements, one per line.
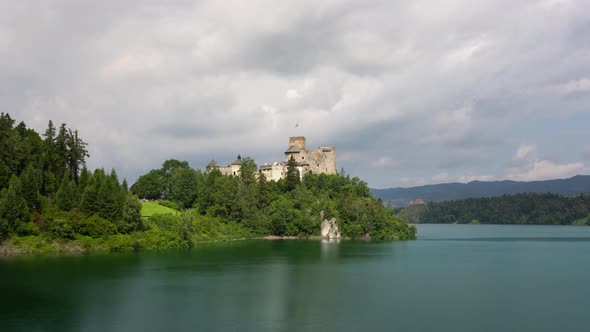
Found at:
<point>76,248</point>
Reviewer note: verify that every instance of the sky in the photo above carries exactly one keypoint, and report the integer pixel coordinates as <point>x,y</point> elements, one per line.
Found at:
<point>410,92</point>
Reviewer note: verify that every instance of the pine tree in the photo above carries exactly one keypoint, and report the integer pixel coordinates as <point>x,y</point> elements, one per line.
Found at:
<point>62,151</point>
<point>293,177</point>
<point>88,203</point>
<point>4,175</point>
<point>31,182</point>
<point>84,179</point>
<point>76,154</point>
<point>66,197</point>
<point>50,162</point>
<point>132,213</point>
<point>13,207</point>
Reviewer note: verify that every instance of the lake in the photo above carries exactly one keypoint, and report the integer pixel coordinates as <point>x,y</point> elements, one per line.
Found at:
<point>452,278</point>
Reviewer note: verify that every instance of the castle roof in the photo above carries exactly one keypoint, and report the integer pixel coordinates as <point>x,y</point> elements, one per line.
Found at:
<point>293,149</point>
<point>238,161</point>
<point>212,164</point>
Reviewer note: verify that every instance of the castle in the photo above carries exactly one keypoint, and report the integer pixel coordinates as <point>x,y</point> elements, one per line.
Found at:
<point>320,160</point>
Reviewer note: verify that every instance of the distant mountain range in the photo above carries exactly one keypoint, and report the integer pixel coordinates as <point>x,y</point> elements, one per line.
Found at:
<point>401,197</point>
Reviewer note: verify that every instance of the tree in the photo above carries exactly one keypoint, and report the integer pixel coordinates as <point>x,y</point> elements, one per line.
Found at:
<point>84,179</point>
<point>61,151</point>
<point>185,227</point>
<point>31,182</point>
<point>168,168</point>
<point>77,153</point>
<point>131,213</point>
<point>150,185</point>
<point>247,173</point>
<point>4,175</point>
<point>13,206</point>
<point>293,177</point>
<point>183,187</point>
<point>66,197</point>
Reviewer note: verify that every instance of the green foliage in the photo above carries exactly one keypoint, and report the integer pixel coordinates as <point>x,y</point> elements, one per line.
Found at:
<point>414,213</point>
<point>67,197</point>
<point>526,209</point>
<point>183,187</point>
<point>169,204</point>
<point>150,185</point>
<point>25,229</point>
<point>148,209</point>
<point>288,207</point>
<point>94,226</point>
<point>31,182</point>
<point>293,177</point>
<point>13,207</point>
<point>131,214</point>
<point>49,200</point>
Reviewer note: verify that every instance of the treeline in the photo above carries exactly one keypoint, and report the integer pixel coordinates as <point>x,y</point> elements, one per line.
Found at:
<point>49,199</point>
<point>288,207</point>
<point>45,188</point>
<point>524,209</point>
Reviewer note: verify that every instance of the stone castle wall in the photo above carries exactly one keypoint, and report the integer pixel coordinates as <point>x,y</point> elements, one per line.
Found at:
<point>318,161</point>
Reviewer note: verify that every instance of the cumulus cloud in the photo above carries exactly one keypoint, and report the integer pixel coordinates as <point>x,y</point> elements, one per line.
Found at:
<point>524,152</point>
<point>406,90</point>
<point>545,169</point>
<point>527,166</point>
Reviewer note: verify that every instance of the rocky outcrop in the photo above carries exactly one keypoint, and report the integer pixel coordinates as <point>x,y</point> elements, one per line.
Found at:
<point>330,229</point>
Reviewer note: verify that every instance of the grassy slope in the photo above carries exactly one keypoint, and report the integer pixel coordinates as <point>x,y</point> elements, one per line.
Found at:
<point>150,208</point>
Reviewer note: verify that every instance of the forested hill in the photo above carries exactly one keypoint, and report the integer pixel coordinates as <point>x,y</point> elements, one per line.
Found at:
<point>401,197</point>
<point>524,209</point>
<point>50,200</point>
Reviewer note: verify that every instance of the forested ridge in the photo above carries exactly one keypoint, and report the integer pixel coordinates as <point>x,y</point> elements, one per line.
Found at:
<point>525,209</point>
<point>401,197</point>
<point>289,207</point>
<point>49,200</point>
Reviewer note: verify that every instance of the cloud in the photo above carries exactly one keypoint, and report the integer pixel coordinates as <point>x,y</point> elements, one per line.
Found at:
<point>545,169</point>
<point>417,181</point>
<point>527,166</point>
<point>445,177</point>
<point>524,152</point>
<point>575,86</point>
<point>386,161</point>
<point>420,87</point>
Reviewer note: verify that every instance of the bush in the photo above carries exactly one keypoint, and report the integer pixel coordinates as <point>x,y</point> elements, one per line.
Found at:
<point>60,228</point>
<point>169,204</point>
<point>26,229</point>
<point>165,221</point>
<point>95,226</point>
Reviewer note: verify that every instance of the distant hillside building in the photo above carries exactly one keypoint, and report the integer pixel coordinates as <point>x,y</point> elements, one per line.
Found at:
<point>320,160</point>
<point>418,201</point>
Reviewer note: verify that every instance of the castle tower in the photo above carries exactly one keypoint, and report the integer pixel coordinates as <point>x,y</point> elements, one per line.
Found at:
<point>298,141</point>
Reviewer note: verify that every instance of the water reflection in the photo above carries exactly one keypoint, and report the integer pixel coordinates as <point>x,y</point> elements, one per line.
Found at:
<point>309,286</point>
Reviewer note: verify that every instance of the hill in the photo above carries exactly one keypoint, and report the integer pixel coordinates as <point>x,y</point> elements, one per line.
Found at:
<point>521,209</point>
<point>401,197</point>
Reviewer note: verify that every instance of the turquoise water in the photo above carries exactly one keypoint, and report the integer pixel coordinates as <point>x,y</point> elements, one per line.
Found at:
<point>453,278</point>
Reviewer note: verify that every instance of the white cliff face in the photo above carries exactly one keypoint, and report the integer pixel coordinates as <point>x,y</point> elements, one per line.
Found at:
<point>330,229</point>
